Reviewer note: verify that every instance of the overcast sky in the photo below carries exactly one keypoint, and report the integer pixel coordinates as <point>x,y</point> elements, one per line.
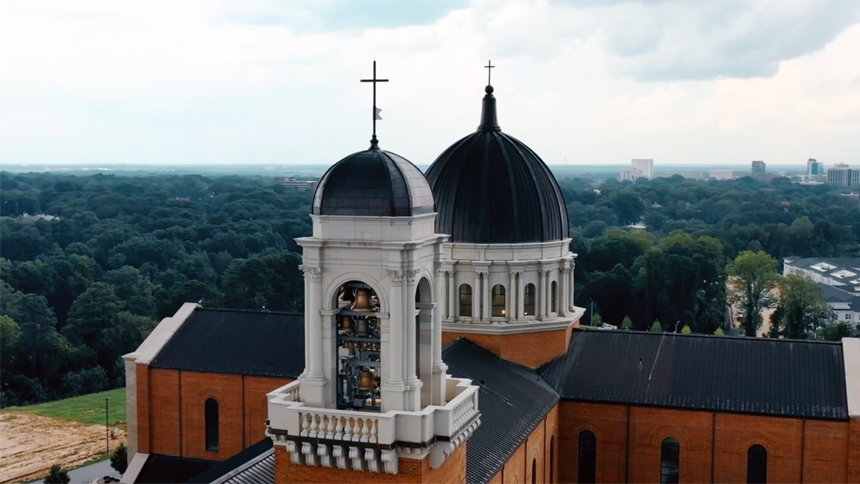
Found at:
<point>589,81</point>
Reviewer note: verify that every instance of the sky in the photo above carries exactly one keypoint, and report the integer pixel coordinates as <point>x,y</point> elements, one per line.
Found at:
<point>277,82</point>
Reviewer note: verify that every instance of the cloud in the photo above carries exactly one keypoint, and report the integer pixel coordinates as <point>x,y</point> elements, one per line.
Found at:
<point>330,15</point>
<point>673,40</point>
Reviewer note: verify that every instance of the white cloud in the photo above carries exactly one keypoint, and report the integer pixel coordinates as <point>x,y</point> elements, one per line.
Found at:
<point>207,82</point>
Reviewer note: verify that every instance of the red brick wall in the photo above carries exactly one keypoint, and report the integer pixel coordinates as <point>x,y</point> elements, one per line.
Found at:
<point>143,421</point>
<point>825,451</point>
<point>256,405</point>
<point>527,349</point>
<point>409,471</point>
<point>196,388</point>
<point>164,411</point>
<point>609,424</point>
<point>714,446</point>
<point>735,434</point>
<point>162,429</point>
<point>551,435</point>
<point>514,471</point>
<point>853,472</point>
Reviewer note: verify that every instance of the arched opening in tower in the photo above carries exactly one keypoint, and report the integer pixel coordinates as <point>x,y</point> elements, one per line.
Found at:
<point>359,348</point>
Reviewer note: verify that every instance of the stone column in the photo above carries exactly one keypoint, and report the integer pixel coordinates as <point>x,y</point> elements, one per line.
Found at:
<point>487,308</point>
<point>411,322</point>
<point>542,291</point>
<point>562,290</point>
<point>453,296</point>
<point>393,390</point>
<point>547,301</point>
<point>437,386</point>
<point>510,313</point>
<point>571,303</point>
<point>476,297</point>
<point>313,385</point>
<point>520,290</point>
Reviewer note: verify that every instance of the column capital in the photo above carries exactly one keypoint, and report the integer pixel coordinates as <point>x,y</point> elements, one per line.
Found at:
<point>312,272</point>
<point>438,267</point>
<point>410,274</point>
<point>395,276</point>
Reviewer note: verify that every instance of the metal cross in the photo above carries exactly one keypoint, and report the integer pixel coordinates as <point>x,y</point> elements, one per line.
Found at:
<point>489,68</point>
<point>374,81</point>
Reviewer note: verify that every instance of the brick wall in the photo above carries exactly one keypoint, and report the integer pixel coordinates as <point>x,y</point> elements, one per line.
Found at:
<point>551,443</point>
<point>164,429</point>
<point>514,471</point>
<point>256,405</point>
<point>714,446</point>
<point>164,411</point>
<point>409,471</point>
<point>195,389</point>
<point>527,349</point>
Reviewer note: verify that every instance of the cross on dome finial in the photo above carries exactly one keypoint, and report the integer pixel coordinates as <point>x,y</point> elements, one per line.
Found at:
<point>374,143</point>
<point>489,67</point>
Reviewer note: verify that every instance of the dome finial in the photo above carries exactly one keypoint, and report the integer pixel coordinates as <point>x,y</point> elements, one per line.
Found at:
<point>488,113</point>
<point>376,111</point>
<point>374,143</point>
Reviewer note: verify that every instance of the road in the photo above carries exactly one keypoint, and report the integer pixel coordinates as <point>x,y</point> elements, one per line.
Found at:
<point>87,474</point>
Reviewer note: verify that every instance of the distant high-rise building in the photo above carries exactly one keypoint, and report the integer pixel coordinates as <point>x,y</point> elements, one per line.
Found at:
<point>644,165</point>
<point>814,167</point>
<point>843,175</point>
<point>758,167</point>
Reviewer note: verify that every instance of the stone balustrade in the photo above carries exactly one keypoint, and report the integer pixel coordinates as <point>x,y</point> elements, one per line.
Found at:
<point>369,440</point>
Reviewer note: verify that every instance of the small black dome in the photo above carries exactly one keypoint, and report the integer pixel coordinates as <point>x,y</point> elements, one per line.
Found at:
<point>373,183</point>
<point>490,188</point>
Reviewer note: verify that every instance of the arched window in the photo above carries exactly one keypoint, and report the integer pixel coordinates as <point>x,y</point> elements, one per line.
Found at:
<point>554,297</point>
<point>529,300</point>
<point>757,464</point>
<point>587,456</point>
<point>498,301</point>
<point>211,424</point>
<point>670,455</point>
<point>465,300</point>
<point>552,459</point>
<point>534,471</point>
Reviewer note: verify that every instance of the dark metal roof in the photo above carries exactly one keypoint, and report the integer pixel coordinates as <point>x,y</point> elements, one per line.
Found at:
<point>241,466</point>
<point>789,378</point>
<point>491,188</point>
<point>165,469</point>
<point>373,183</point>
<point>513,400</point>
<point>237,342</point>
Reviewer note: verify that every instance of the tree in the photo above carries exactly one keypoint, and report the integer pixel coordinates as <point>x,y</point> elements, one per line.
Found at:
<point>656,327</point>
<point>596,320</point>
<point>57,475</point>
<point>719,332</point>
<point>837,331</point>
<point>91,313</point>
<point>802,309</point>
<point>753,278</point>
<point>119,459</point>
<point>131,286</point>
<point>10,340</point>
<point>686,330</point>
<point>627,323</point>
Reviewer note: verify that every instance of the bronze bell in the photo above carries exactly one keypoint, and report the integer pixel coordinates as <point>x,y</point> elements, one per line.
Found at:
<point>366,380</point>
<point>345,323</point>
<point>362,300</point>
<point>362,329</point>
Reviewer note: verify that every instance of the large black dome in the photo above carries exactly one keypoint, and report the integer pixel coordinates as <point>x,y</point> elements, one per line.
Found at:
<point>373,183</point>
<point>490,188</point>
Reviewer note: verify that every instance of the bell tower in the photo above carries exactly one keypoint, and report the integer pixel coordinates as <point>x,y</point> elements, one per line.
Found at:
<point>374,396</point>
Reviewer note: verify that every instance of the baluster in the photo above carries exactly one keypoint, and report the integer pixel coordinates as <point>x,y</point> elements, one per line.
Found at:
<point>305,424</point>
<point>365,429</point>
<point>338,428</point>
<point>349,430</point>
<point>374,430</point>
<point>330,429</point>
<point>314,425</point>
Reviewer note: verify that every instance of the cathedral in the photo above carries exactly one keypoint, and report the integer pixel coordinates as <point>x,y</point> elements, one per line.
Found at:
<point>440,343</point>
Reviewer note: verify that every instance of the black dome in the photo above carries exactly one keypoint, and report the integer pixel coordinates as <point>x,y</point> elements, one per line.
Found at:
<point>490,188</point>
<point>373,183</point>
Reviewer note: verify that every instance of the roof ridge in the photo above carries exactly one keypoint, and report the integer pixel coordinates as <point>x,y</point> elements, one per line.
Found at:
<point>250,311</point>
<point>700,335</point>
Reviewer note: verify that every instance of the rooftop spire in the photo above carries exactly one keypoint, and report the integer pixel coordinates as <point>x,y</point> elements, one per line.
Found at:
<point>374,143</point>
<point>488,113</point>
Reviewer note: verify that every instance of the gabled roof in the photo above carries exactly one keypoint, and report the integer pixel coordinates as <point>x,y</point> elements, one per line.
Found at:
<point>788,378</point>
<point>164,469</point>
<point>237,342</point>
<point>513,401</point>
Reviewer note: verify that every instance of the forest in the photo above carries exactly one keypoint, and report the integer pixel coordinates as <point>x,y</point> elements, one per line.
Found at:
<point>91,263</point>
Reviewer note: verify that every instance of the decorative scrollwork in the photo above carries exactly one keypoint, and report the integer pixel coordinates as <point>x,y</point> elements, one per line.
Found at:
<point>314,273</point>
<point>396,277</point>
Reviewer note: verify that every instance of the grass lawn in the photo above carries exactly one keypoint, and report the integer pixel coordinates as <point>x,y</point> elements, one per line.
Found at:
<point>88,409</point>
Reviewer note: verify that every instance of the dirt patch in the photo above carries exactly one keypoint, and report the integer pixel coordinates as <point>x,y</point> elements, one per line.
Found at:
<point>30,445</point>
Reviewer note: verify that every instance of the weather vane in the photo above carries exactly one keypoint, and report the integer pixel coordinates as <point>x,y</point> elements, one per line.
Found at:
<point>375,110</point>
<point>489,68</point>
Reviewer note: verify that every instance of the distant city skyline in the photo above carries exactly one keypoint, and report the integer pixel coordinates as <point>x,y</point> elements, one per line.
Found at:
<point>582,82</point>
